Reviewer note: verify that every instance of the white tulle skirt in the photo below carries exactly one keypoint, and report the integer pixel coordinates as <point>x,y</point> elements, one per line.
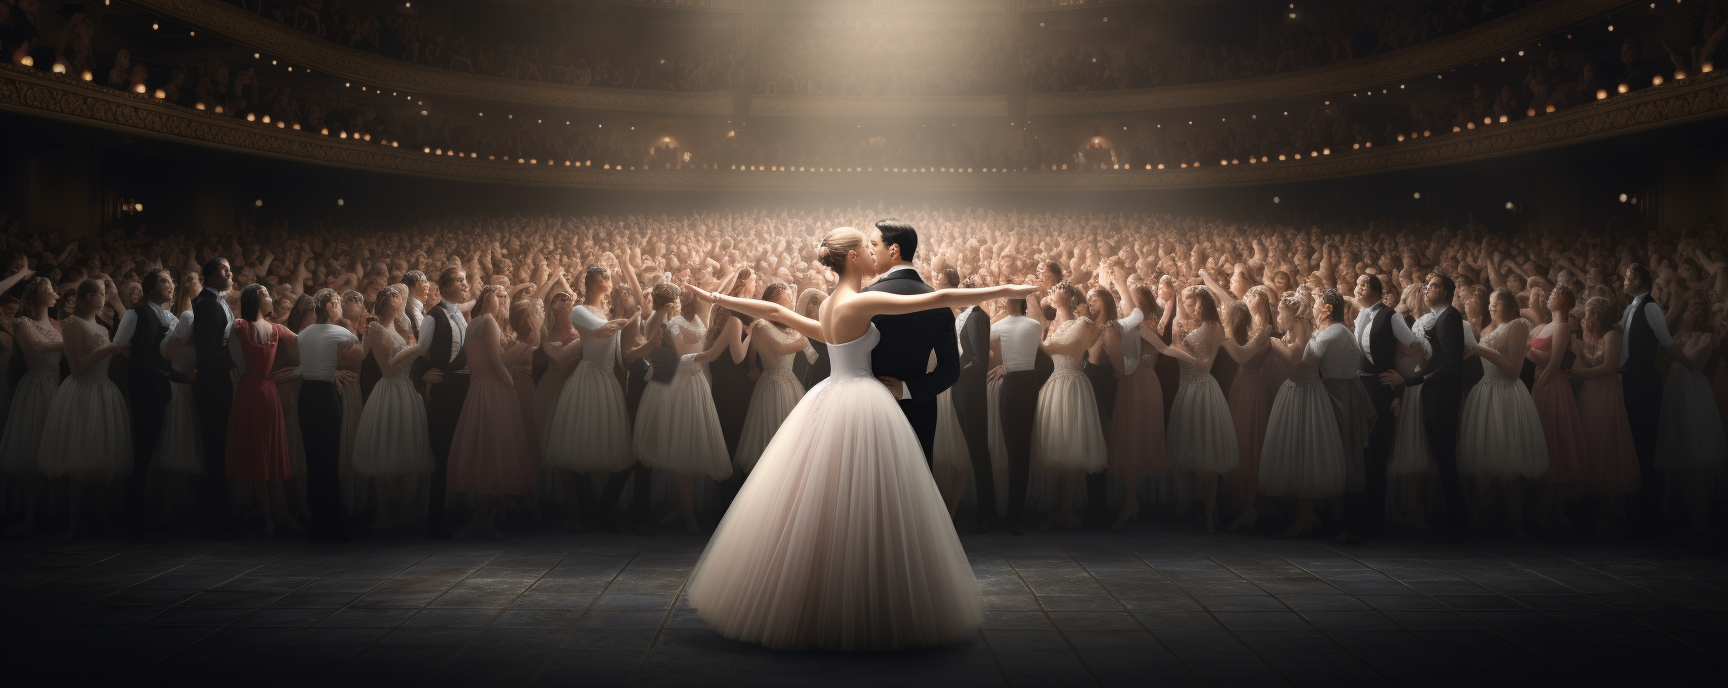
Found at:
<point>391,438</point>
<point>1303,455</point>
<point>88,432</point>
<point>951,451</point>
<point>22,444</point>
<point>998,445</point>
<point>1410,452</point>
<point>777,392</point>
<point>1499,433</point>
<point>839,538</point>
<point>1066,435</point>
<point>677,429</point>
<point>1201,433</point>
<point>179,448</point>
<point>1689,438</point>
<point>589,428</point>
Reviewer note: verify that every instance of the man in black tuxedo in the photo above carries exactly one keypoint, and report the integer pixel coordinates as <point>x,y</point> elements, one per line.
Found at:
<point>1645,332</point>
<point>145,326</point>
<point>445,370</point>
<point>1379,332</point>
<point>902,359</point>
<point>212,392</point>
<point>1441,378</point>
<point>971,399</point>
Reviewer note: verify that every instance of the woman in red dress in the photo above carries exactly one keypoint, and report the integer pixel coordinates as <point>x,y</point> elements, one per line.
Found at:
<point>257,438</point>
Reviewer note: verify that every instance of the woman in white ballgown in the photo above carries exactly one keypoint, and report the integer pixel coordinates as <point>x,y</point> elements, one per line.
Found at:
<point>839,538</point>
<point>588,429</point>
<point>41,344</point>
<point>391,442</point>
<point>87,435</point>
<point>677,428</point>
<point>1411,459</point>
<point>1500,440</point>
<point>1067,438</point>
<point>1201,431</point>
<point>778,389</point>
<point>1303,455</point>
<point>1689,442</point>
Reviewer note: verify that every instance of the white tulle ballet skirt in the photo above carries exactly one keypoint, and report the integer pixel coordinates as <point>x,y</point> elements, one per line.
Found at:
<point>1410,452</point>
<point>839,538</point>
<point>1499,434</point>
<point>1066,435</point>
<point>951,451</point>
<point>30,402</point>
<point>677,428</point>
<point>1690,437</point>
<point>392,435</point>
<point>88,431</point>
<point>777,392</point>
<point>1201,433</point>
<point>1303,456</point>
<point>589,428</point>
<point>179,448</point>
<point>998,446</point>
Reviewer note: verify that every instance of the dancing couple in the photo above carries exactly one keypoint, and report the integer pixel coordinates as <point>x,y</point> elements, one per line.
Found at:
<point>839,539</point>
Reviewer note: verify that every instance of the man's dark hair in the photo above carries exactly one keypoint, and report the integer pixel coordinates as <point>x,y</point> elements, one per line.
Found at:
<point>1450,286</point>
<point>213,266</point>
<point>153,279</point>
<point>899,233</point>
<point>1374,283</point>
<point>448,277</point>
<point>413,278</point>
<point>1640,273</point>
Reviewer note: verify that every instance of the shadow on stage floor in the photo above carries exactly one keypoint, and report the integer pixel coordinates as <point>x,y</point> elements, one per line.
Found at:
<point>1153,605</point>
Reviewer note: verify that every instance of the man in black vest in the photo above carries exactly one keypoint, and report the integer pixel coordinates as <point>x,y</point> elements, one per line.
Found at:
<point>147,382</point>
<point>1379,332</point>
<point>445,370</point>
<point>972,402</point>
<point>902,359</point>
<point>1442,384</point>
<point>212,391</point>
<point>1645,332</point>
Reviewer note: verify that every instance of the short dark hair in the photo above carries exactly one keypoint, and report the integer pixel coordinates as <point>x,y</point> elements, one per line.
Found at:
<point>153,278</point>
<point>1374,283</point>
<point>213,266</point>
<point>1641,273</point>
<point>899,233</point>
<point>413,278</point>
<point>1447,284</point>
<point>448,277</point>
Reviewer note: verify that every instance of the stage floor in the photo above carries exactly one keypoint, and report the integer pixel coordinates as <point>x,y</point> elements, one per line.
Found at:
<point>1154,605</point>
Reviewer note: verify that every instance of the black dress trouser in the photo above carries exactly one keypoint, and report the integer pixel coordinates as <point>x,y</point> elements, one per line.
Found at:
<point>443,410</point>
<point>320,407</point>
<point>1018,407</point>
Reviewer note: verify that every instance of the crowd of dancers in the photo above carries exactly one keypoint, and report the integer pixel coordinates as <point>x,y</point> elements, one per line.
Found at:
<point>1279,379</point>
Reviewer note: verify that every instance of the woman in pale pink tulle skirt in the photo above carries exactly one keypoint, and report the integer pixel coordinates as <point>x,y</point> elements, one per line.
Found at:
<point>489,455</point>
<point>1250,324</point>
<point>839,538</point>
<point>1610,466</point>
<point>1137,425</point>
<point>1561,426</point>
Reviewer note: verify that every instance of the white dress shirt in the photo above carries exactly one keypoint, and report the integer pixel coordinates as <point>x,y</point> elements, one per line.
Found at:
<point>1131,341</point>
<point>129,322</point>
<point>1336,351</point>
<point>1652,315</point>
<point>1365,321</point>
<point>458,329</point>
<point>187,359</point>
<point>319,348</point>
<point>1020,336</point>
<point>414,312</point>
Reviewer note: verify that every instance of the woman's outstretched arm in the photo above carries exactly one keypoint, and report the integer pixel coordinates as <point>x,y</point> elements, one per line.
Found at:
<point>764,309</point>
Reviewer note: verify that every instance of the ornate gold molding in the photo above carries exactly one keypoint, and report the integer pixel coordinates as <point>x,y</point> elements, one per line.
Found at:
<point>1472,45</point>
<point>1482,42</point>
<point>40,94</point>
<point>270,37</point>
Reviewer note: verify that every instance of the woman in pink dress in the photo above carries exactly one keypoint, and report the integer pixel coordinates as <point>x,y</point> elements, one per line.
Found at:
<point>489,454</point>
<point>1250,324</point>
<point>1610,466</point>
<point>1561,425</point>
<point>1137,424</point>
<point>257,436</point>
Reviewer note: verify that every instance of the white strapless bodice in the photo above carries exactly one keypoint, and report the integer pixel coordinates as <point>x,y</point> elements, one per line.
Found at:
<point>852,359</point>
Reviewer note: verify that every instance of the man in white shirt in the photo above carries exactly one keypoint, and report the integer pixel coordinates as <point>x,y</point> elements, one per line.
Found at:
<point>320,409</point>
<point>1379,333</point>
<point>445,370</point>
<point>1645,333</point>
<point>1015,339</point>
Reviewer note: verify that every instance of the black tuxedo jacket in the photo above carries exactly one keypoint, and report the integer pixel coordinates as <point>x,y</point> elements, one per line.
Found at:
<point>149,375</point>
<point>1441,375</point>
<point>210,325</point>
<point>907,340</point>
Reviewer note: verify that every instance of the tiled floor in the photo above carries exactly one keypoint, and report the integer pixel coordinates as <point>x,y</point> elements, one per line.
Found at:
<point>1156,605</point>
